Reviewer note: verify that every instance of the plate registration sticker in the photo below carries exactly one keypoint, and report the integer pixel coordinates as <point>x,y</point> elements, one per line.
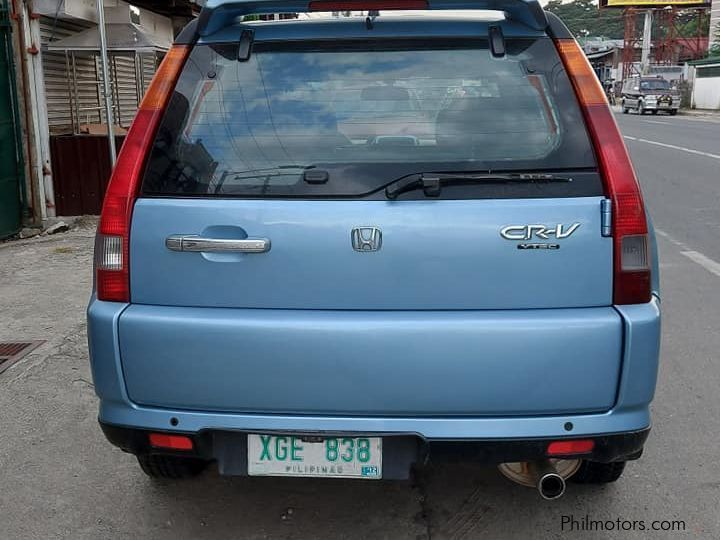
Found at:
<point>333,457</point>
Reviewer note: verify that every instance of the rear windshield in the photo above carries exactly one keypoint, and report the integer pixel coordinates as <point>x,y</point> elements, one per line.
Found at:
<point>344,119</point>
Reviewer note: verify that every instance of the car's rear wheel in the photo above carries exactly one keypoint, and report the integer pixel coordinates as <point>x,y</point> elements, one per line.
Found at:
<point>673,112</point>
<point>625,110</point>
<point>592,472</point>
<point>654,112</point>
<point>174,467</point>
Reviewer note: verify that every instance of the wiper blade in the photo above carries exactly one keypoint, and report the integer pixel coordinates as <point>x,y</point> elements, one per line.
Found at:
<point>279,169</point>
<point>432,183</point>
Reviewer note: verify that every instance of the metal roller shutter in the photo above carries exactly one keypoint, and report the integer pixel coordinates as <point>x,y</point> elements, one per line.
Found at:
<point>132,76</point>
<point>126,92</point>
<point>58,86</point>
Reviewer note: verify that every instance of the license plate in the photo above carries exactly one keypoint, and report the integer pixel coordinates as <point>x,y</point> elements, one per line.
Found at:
<point>334,457</point>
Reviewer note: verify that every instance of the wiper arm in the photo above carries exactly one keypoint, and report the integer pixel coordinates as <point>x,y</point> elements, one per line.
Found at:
<point>432,183</point>
<point>310,173</point>
<point>279,169</point>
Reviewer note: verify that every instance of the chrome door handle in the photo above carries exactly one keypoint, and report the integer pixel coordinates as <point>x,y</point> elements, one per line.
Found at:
<point>195,243</point>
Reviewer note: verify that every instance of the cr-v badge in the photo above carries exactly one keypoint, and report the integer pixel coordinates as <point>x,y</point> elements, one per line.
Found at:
<point>366,238</point>
<point>528,232</point>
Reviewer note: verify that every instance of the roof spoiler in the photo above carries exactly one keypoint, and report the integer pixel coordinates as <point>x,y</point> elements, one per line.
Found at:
<point>218,13</point>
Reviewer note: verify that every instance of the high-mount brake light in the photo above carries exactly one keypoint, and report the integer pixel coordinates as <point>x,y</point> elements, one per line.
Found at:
<point>111,249</point>
<point>365,5</point>
<point>632,283</point>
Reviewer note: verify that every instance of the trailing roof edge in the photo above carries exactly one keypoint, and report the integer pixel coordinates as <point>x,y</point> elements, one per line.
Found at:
<point>218,14</point>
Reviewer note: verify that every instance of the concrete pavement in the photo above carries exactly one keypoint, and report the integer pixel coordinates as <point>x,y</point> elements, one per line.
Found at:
<point>60,479</point>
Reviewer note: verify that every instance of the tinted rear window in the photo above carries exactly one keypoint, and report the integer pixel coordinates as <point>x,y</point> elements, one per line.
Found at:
<point>366,114</point>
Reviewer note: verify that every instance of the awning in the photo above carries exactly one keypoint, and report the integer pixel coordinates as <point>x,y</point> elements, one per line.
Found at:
<point>597,55</point>
<point>121,37</point>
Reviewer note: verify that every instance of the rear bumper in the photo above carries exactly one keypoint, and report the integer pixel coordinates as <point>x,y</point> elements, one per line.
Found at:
<point>400,452</point>
<point>628,413</point>
<point>658,107</point>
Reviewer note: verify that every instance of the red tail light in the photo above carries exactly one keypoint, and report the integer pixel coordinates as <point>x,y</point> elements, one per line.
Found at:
<point>111,251</point>
<point>631,246</point>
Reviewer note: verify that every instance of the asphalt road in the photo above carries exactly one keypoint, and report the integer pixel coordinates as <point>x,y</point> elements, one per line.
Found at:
<point>60,479</point>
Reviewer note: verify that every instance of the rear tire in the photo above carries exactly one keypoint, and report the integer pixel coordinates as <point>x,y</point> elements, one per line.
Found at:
<point>625,110</point>
<point>673,112</point>
<point>174,467</point>
<point>592,472</point>
<point>654,112</point>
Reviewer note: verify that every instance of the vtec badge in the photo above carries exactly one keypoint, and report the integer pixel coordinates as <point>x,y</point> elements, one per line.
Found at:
<point>528,232</point>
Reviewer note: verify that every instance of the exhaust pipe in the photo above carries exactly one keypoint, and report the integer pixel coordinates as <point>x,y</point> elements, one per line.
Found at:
<point>546,475</point>
<point>549,483</point>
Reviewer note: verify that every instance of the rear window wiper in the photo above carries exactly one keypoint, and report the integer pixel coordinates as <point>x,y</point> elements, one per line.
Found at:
<point>431,183</point>
<point>310,173</point>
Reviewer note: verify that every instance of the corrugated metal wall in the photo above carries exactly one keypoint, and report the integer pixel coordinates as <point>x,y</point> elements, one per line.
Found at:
<point>127,90</point>
<point>57,78</point>
<point>81,163</point>
<point>132,80</point>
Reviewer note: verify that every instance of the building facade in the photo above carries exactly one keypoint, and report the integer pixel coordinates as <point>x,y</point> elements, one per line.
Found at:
<point>715,23</point>
<point>59,74</point>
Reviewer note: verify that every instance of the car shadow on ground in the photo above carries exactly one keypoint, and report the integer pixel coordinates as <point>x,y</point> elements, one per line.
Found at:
<point>446,501</point>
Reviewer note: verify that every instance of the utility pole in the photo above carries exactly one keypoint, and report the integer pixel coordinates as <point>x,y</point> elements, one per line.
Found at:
<point>106,81</point>
<point>646,42</point>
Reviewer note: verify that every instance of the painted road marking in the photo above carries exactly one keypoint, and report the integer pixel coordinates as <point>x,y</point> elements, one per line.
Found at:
<point>682,148</point>
<point>707,263</point>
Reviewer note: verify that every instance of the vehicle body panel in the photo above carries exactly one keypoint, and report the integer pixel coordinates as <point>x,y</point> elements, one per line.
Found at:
<point>509,362</point>
<point>630,412</point>
<point>435,255</point>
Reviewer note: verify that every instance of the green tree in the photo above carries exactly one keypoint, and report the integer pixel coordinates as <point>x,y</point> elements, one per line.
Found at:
<point>584,18</point>
<point>686,25</point>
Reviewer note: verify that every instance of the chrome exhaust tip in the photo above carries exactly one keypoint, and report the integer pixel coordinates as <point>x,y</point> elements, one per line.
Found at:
<point>549,483</point>
<point>547,476</point>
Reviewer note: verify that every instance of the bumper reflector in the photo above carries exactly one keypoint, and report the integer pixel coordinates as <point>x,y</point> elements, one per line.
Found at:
<point>566,448</point>
<point>172,442</point>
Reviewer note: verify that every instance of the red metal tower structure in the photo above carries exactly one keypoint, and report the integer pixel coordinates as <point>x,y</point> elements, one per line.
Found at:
<point>666,43</point>
<point>631,42</point>
<point>669,46</point>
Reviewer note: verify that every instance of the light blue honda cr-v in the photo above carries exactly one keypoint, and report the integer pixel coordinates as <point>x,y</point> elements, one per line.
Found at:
<point>345,243</point>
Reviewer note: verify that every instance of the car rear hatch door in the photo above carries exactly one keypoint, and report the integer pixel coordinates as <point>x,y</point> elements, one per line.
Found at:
<point>270,272</point>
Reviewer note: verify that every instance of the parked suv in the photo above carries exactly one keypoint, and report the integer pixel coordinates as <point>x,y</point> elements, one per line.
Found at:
<point>649,94</point>
<point>287,289</point>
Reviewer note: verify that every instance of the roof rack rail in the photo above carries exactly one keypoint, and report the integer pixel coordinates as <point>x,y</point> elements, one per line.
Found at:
<point>219,13</point>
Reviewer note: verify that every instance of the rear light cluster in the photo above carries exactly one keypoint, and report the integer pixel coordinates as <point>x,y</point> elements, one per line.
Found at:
<point>111,249</point>
<point>631,247</point>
